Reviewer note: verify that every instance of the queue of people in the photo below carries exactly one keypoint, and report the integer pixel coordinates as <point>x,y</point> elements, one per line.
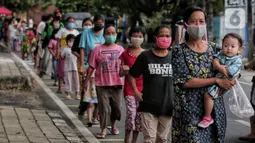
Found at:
<point>165,88</point>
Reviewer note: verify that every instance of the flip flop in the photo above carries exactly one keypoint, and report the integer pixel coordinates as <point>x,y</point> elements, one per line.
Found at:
<point>100,136</point>
<point>114,131</point>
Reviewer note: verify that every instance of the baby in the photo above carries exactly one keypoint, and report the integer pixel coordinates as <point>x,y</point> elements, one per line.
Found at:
<point>228,63</point>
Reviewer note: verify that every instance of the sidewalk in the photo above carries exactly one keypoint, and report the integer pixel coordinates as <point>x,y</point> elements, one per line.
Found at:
<point>12,74</point>
<point>21,125</point>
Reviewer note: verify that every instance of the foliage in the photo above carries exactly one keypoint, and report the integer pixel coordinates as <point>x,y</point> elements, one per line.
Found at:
<point>24,5</point>
<point>72,6</point>
<point>19,5</point>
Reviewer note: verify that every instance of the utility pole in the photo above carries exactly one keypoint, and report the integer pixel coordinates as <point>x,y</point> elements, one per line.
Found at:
<point>250,31</point>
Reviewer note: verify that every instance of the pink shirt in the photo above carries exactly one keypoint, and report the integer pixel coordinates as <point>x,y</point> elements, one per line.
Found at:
<point>129,60</point>
<point>105,60</point>
<point>53,45</point>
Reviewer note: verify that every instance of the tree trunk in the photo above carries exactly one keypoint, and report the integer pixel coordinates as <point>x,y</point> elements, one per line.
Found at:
<point>250,30</point>
<point>210,20</point>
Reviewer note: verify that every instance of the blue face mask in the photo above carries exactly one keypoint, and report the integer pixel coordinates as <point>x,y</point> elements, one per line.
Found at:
<point>110,39</point>
<point>70,25</point>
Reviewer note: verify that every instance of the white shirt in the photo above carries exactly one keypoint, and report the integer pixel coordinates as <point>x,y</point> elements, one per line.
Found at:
<point>62,33</point>
<point>70,60</point>
<point>41,27</point>
<point>40,30</point>
<point>12,32</point>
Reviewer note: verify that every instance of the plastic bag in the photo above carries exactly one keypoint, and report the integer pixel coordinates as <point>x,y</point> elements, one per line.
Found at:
<point>239,103</point>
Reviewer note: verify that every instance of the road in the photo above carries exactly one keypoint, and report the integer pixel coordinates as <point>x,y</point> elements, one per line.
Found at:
<point>235,126</point>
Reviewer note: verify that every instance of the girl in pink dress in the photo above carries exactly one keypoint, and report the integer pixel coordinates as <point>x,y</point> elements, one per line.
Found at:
<point>128,58</point>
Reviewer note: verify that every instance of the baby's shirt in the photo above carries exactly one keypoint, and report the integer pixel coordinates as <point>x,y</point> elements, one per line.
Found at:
<point>233,64</point>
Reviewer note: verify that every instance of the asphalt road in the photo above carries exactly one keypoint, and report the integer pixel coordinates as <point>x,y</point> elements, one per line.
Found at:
<point>235,126</point>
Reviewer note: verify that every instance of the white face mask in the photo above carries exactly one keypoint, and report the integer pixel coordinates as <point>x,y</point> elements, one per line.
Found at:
<point>70,44</point>
<point>196,31</point>
<point>87,27</point>
<point>136,42</point>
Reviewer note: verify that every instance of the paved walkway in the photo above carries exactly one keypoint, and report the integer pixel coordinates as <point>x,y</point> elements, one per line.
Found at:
<point>12,73</point>
<point>21,125</point>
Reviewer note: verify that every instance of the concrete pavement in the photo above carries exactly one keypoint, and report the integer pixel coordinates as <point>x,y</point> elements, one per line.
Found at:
<point>12,74</point>
<point>21,125</point>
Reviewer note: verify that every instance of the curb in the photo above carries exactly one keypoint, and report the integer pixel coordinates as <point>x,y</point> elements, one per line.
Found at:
<point>75,121</point>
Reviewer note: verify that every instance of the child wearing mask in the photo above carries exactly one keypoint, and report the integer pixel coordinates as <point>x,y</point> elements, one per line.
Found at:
<point>104,59</point>
<point>90,39</point>
<point>128,58</point>
<point>86,24</point>
<point>53,50</point>
<point>156,98</point>
<point>71,71</point>
<point>61,37</point>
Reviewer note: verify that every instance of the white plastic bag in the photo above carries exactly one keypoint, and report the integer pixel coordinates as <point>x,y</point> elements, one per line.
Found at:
<point>239,103</point>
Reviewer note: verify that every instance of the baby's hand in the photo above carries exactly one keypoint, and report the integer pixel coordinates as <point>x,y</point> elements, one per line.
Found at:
<point>224,70</point>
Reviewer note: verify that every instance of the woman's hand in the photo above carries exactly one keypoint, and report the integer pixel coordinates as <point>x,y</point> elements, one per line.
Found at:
<point>82,70</point>
<point>226,83</point>
<point>138,95</point>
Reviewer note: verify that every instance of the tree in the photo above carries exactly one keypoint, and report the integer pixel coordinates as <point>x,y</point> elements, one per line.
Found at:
<point>19,5</point>
<point>72,6</point>
<point>24,5</point>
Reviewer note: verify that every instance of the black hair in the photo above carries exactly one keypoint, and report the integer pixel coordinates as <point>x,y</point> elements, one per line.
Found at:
<point>49,16</point>
<point>188,12</point>
<point>98,17</point>
<point>137,30</point>
<point>107,26</point>
<point>23,21</point>
<point>18,19</point>
<point>233,35</point>
<point>86,19</point>
<point>68,18</point>
<point>156,32</point>
<point>69,36</point>
<point>44,17</point>
<point>11,20</point>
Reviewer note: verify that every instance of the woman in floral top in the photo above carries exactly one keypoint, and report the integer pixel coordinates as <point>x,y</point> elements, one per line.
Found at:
<point>193,74</point>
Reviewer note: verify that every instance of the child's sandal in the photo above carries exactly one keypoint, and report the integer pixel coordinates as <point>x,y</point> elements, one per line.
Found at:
<point>100,136</point>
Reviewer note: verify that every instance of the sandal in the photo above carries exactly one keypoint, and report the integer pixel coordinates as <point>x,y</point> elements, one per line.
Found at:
<point>100,136</point>
<point>114,131</point>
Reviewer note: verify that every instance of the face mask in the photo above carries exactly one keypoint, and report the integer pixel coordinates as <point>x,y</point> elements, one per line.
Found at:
<point>98,28</point>
<point>87,27</point>
<point>70,44</point>
<point>56,25</point>
<point>196,31</point>
<point>57,18</point>
<point>110,39</point>
<point>136,42</point>
<point>163,42</point>
<point>70,25</point>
